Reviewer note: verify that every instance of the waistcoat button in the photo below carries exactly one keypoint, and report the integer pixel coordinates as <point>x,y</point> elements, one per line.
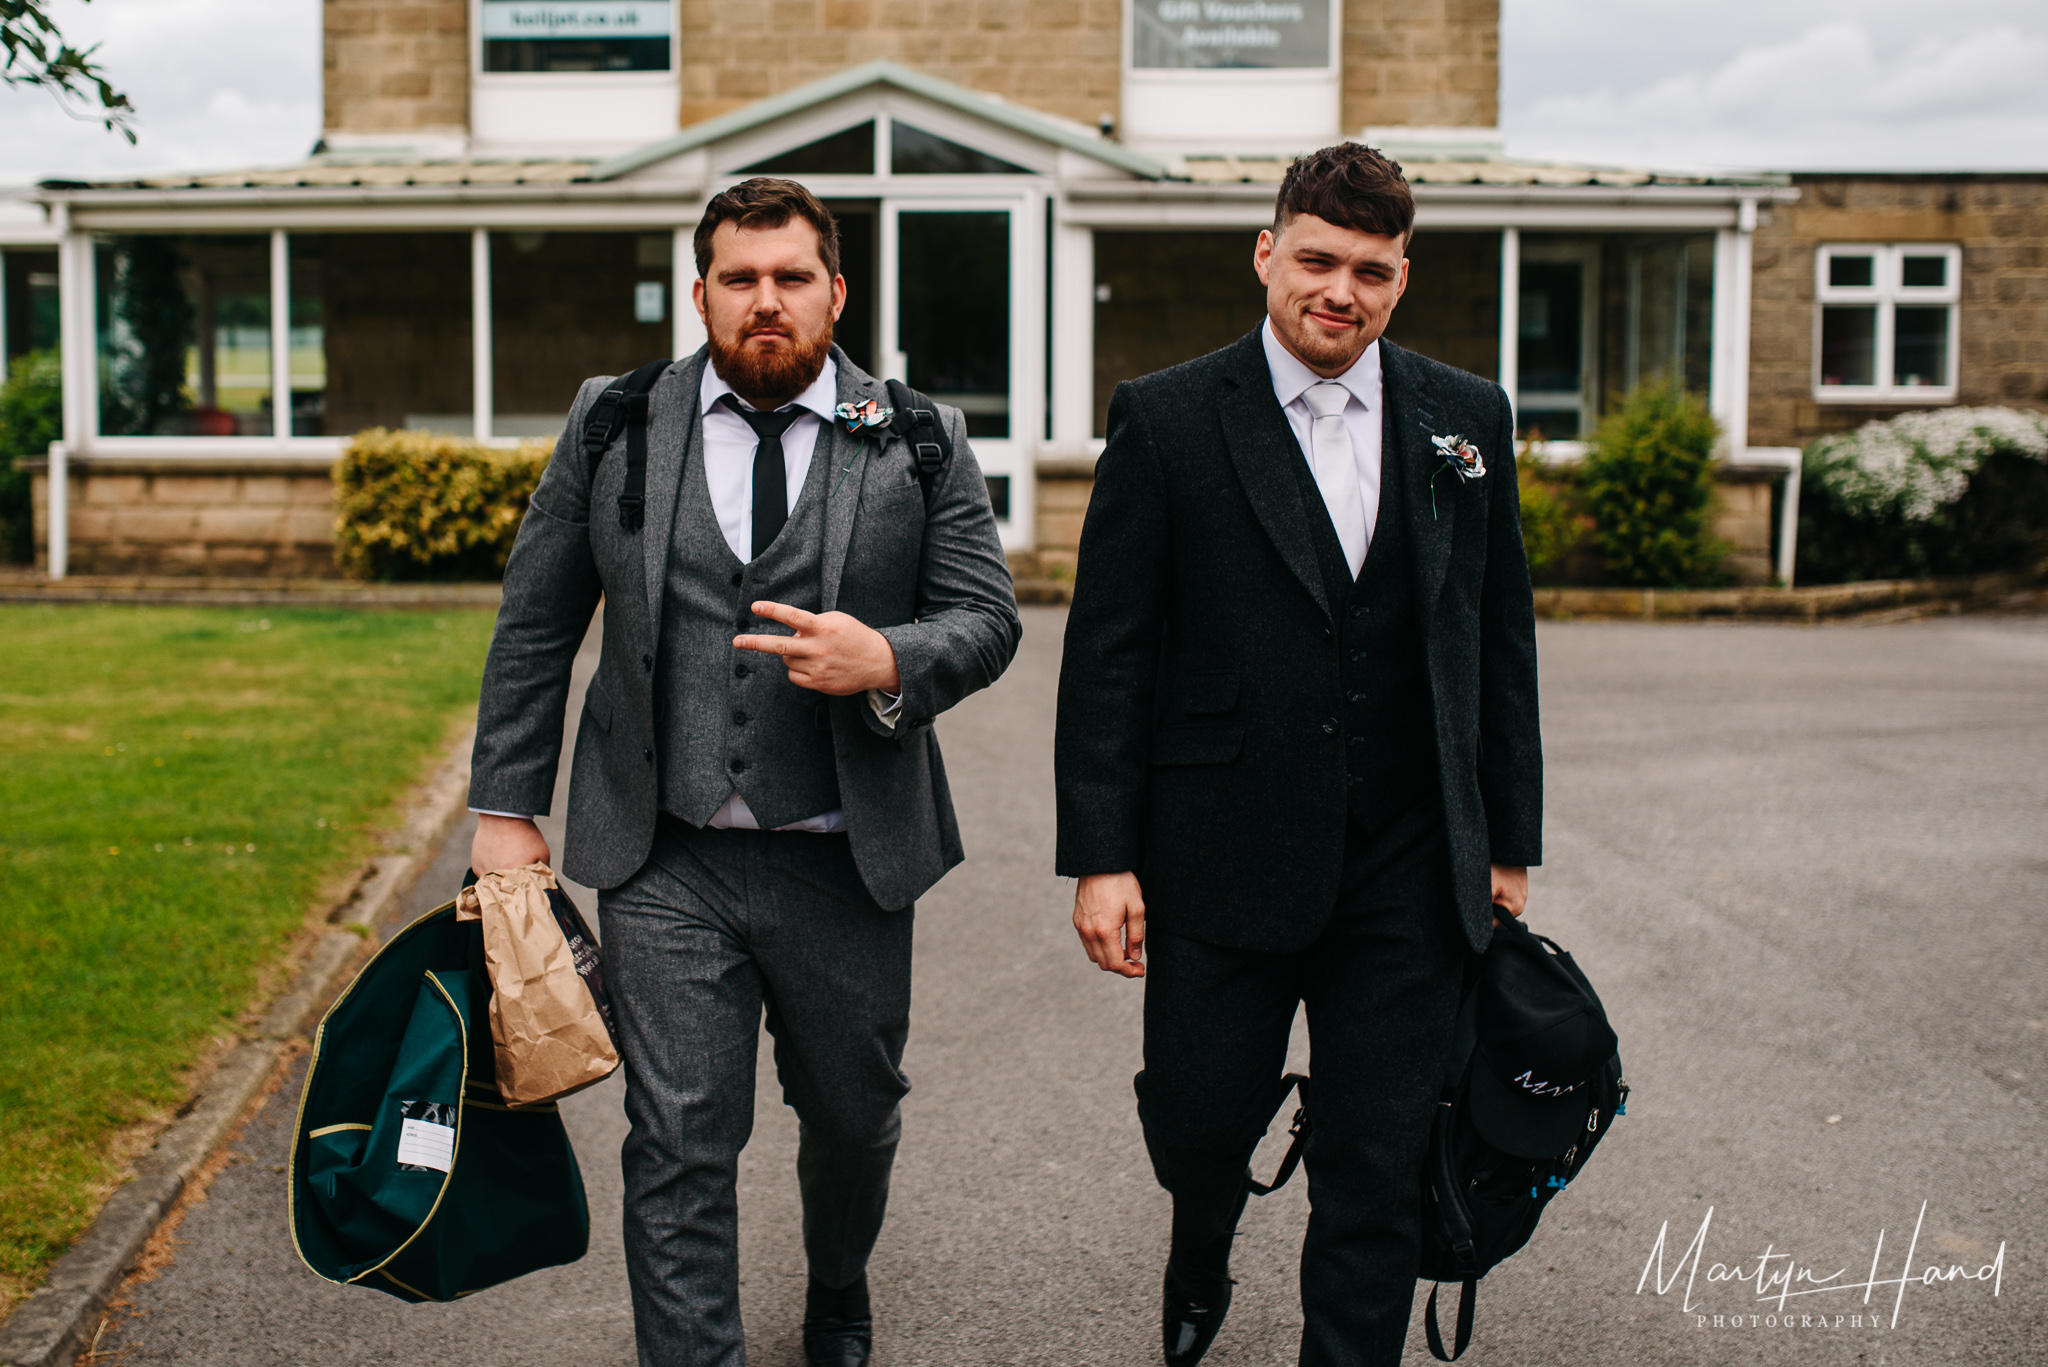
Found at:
<point>739,719</point>
<point>1329,728</point>
<point>738,578</point>
<point>738,766</point>
<point>739,671</point>
<point>647,662</point>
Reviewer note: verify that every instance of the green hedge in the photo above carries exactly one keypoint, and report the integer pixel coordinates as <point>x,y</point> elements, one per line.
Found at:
<point>1648,484</point>
<point>1953,491</point>
<point>31,417</point>
<point>414,505</point>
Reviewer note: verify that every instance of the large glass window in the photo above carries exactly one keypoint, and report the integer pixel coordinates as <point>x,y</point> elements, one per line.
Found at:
<point>380,332</point>
<point>28,279</point>
<point>184,335</point>
<point>576,35</point>
<point>953,327</point>
<point>849,152</point>
<point>1887,321</point>
<point>1166,297</point>
<point>914,152</point>
<point>566,306</point>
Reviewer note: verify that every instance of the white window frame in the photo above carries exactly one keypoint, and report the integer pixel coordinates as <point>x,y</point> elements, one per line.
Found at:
<point>1886,293</point>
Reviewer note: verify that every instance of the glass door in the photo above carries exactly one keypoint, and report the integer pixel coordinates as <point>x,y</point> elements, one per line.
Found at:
<point>957,324</point>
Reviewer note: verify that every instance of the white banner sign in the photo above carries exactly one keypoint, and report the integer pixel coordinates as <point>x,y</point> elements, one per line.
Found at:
<point>576,19</point>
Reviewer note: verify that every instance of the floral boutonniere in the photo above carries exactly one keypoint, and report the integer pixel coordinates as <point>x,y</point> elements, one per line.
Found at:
<point>1461,457</point>
<point>859,415</point>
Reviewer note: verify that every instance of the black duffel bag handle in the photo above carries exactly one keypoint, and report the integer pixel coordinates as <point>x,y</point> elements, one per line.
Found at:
<point>1298,1128</point>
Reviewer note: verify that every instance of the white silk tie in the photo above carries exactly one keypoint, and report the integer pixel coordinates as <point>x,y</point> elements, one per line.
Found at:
<point>1336,471</point>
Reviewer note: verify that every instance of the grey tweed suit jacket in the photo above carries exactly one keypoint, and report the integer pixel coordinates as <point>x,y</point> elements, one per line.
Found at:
<point>935,585</point>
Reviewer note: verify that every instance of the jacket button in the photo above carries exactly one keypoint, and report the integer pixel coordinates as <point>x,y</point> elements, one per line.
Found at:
<point>1329,728</point>
<point>647,755</point>
<point>739,671</point>
<point>1356,740</point>
<point>739,719</point>
<point>1354,697</point>
<point>647,662</point>
<point>738,766</point>
<point>738,578</point>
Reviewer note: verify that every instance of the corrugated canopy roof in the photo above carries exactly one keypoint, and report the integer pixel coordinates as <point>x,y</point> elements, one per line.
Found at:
<point>354,169</point>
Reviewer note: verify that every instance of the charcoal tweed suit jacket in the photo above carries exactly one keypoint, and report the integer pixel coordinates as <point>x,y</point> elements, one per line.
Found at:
<point>935,584</point>
<point>1199,741</point>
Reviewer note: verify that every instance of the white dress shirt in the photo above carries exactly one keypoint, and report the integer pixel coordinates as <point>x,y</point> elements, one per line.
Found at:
<point>729,472</point>
<point>1363,416</point>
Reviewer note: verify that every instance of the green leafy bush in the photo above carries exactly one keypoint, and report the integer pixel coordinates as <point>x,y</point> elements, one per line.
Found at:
<point>31,417</point>
<point>414,505</point>
<point>1551,527</point>
<point>1648,484</point>
<point>1944,492</point>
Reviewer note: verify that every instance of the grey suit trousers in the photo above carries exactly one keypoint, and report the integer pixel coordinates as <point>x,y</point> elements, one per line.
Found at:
<point>716,926</point>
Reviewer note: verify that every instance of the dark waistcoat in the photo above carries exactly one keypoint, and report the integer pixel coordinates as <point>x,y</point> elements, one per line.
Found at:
<point>730,719</point>
<point>1389,741</point>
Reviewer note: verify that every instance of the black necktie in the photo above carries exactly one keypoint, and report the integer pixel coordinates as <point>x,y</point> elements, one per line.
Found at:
<point>771,483</point>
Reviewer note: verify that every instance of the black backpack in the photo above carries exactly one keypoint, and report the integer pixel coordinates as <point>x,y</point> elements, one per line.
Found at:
<point>624,405</point>
<point>1479,1205</point>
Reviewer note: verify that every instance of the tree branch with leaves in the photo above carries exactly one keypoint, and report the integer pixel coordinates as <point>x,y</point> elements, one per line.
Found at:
<point>37,55</point>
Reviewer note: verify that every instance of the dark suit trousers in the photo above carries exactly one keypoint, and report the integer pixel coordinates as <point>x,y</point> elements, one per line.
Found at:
<point>1381,986</point>
<point>716,926</point>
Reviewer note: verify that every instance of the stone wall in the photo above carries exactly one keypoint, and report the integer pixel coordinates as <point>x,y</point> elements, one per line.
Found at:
<point>396,66</point>
<point>241,517</point>
<point>1421,62</point>
<point>2001,223</point>
<point>1060,56</point>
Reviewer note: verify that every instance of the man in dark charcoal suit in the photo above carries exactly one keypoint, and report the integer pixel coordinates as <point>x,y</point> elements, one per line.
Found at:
<point>757,792</point>
<point>1297,753</point>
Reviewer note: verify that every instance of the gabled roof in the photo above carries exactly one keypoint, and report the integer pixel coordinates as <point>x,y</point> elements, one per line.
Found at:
<point>1029,122</point>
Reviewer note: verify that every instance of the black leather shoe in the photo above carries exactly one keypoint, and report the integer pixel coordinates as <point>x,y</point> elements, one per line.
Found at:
<point>1195,1307</point>
<point>839,1330</point>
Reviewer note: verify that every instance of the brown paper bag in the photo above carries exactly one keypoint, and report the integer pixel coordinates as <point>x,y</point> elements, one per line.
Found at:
<point>548,1035</point>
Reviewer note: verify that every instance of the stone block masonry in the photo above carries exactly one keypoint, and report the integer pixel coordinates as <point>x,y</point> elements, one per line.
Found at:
<point>396,66</point>
<point>273,517</point>
<point>2000,222</point>
<point>1059,56</point>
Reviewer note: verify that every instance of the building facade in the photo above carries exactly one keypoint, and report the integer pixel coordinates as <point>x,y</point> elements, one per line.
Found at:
<point>1038,201</point>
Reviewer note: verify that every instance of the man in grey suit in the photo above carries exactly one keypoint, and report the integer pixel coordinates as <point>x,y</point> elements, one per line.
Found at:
<point>757,792</point>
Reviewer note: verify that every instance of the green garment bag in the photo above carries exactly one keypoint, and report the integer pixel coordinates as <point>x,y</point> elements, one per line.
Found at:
<point>409,1173</point>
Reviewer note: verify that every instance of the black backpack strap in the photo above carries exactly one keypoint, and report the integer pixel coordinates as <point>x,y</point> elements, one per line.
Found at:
<point>1468,1297</point>
<point>915,418</point>
<point>624,404</point>
<point>1299,1129</point>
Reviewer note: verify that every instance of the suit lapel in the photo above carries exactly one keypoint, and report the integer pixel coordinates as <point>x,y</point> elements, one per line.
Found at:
<point>842,451</point>
<point>675,431</point>
<point>1411,421</point>
<point>1263,449</point>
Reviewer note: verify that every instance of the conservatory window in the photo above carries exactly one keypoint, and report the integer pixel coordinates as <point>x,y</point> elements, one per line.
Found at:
<point>1886,322</point>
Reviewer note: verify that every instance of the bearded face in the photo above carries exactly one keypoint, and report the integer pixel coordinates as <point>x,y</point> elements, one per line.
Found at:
<point>768,308</point>
<point>1330,290</point>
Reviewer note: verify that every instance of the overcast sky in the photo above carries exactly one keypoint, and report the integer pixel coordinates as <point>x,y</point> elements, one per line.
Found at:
<point>1780,84</point>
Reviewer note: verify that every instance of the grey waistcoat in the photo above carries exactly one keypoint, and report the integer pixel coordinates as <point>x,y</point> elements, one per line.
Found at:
<point>728,719</point>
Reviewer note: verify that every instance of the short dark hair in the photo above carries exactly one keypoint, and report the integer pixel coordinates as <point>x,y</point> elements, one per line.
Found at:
<point>1350,185</point>
<point>768,202</point>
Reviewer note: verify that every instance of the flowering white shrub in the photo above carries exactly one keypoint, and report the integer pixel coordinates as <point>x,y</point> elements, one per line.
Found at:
<point>1919,463</point>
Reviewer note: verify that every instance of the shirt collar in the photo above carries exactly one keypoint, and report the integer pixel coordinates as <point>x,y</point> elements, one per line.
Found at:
<point>821,398</point>
<point>1291,377</point>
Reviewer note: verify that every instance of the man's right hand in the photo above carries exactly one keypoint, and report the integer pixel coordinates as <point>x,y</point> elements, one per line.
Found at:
<point>506,842</point>
<point>1109,914</point>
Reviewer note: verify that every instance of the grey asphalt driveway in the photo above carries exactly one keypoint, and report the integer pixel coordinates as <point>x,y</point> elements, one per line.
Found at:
<point>1806,868</point>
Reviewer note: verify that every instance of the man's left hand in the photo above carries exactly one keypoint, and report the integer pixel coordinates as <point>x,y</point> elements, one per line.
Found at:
<point>830,653</point>
<point>1510,888</point>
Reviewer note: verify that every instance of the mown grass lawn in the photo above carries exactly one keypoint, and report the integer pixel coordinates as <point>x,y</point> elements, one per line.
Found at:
<point>176,785</point>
